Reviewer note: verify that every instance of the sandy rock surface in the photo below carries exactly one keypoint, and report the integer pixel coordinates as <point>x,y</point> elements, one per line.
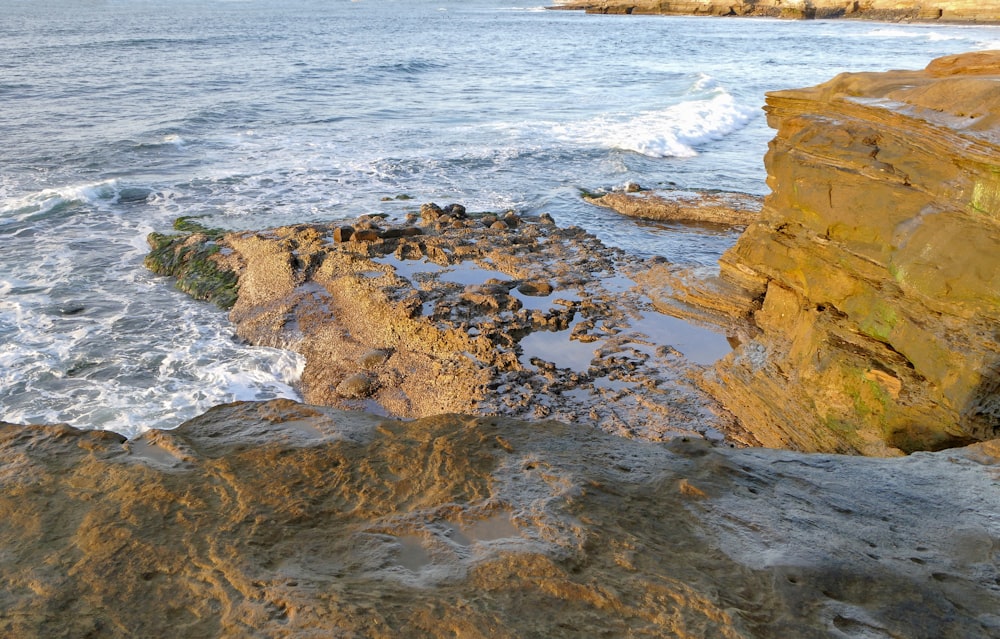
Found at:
<point>284,520</point>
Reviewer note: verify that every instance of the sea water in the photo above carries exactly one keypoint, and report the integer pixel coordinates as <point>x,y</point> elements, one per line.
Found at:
<point>120,115</point>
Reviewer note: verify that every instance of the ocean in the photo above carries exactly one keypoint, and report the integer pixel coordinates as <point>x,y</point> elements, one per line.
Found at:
<point>118,116</point>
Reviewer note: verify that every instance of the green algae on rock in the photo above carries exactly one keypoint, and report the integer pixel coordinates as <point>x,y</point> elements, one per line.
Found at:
<point>193,260</point>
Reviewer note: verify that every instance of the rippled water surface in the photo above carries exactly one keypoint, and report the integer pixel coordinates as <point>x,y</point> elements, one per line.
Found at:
<point>120,115</point>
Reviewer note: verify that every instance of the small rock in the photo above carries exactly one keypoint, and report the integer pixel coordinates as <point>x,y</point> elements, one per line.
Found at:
<point>343,234</point>
<point>357,385</point>
<point>540,288</point>
<point>499,226</point>
<point>430,212</point>
<point>366,235</point>
<point>373,358</point>
<point>545,218</point>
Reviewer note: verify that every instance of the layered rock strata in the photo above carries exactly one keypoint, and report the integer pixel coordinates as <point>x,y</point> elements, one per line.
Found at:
<point>874,271</point>
<point>884,10</point>
<point>284,520</point>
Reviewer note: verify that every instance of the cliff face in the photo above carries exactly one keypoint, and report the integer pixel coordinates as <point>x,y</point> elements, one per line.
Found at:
<point>283,520</point>
<point>951,11</point>
<point>877,259</point>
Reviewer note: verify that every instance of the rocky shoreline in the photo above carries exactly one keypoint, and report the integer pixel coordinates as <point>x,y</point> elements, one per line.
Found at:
<point>565,456</point>
<point>951,11</point>
<point>450,311</point>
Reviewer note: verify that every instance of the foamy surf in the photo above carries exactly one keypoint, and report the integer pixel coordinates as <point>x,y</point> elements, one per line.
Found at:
<point>675,131</point>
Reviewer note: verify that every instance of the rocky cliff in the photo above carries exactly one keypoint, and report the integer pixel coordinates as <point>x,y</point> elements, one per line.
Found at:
<point>284,520</point>
<point>889,10</point>
<point>876,263</point>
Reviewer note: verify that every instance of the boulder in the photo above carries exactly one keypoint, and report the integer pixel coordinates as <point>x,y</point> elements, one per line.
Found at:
<point>875,265</point>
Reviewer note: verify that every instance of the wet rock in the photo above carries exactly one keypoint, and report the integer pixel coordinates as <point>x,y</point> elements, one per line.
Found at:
<point>538,288</point>
<point>430,212</point>
<point>357,385</point>
<point>456,211</point>
<point>197,264</point>
<point>343,234</point>
<point>366,235</point>
<point>373,358</point>
<point>712,207</point>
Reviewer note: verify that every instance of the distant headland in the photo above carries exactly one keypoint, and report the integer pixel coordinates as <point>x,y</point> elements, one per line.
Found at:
<point>972,11</point>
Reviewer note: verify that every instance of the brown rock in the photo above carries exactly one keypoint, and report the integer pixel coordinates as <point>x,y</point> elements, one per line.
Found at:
<point>876,259</point>
<point>366,235</point>
<point>882,10</point>
<point>357,385</point>
<point>536,288</point>
<point>284,520</point>
<point>430,212</point>
<point>714,207</point>
<point>343,233</point>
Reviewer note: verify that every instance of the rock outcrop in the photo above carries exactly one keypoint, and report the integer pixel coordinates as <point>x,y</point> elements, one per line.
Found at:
<point>876,265</point>
<point>285,520</point>
<point>478,314</point>
<point>884,10</point>
<point>699,207</point>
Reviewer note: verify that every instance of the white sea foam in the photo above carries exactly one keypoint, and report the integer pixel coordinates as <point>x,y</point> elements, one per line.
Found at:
<point>47,200</point>
<point>675,131</point>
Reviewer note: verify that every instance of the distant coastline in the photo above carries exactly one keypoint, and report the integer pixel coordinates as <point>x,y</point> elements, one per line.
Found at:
<point>954,11</point>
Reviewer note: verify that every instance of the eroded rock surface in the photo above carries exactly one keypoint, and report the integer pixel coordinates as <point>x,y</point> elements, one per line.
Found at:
<point>453,312</point>
<point>284,520</point>
<point>700,207</point>
<point>885,10</point>
<point>873,275</point>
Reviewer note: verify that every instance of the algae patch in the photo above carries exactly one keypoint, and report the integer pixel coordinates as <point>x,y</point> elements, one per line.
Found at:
<point>192,258</point>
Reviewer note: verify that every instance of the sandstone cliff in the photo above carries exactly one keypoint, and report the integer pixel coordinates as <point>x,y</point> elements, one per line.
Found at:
<point>877,265</point>
<point>886,10</point>
<point>282,520</point>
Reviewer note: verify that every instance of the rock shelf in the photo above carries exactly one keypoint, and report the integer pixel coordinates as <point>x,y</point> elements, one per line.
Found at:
<point>477,314</point>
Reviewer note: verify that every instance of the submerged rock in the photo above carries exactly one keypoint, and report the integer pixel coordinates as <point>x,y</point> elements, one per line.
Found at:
<point>284,520</point>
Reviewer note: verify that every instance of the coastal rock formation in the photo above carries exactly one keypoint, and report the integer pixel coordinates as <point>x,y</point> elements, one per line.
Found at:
<point>886,10</point>
<point>700,207</point>
<point>875,266</point>
<point>450,311</point>
<point>284,520</point>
